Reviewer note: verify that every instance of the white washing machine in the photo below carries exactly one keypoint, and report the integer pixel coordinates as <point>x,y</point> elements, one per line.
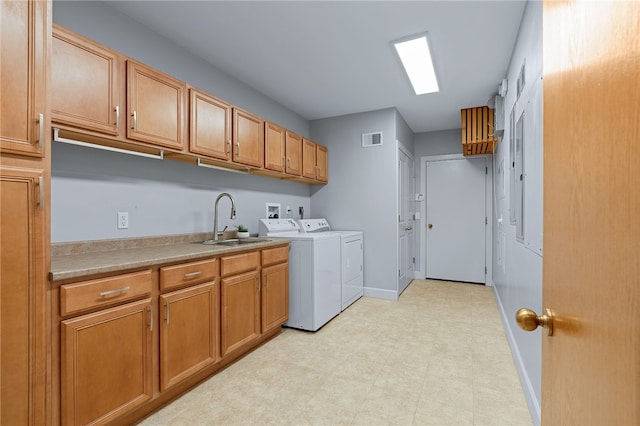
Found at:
<point>314,273</point>
<point>351,258</point>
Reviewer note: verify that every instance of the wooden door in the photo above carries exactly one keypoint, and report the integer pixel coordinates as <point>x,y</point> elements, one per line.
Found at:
<point>85,91</point>
<point>591,276</point>
<point>22,298</point>
<point>294,154</point>
<point>24,32</point>
<point>210,126</point>
<point>308,159</point>
<point>155,106</point>
<point>240,321</point>
<point>322,163</point>
<point>248,138</point>
<point>275,296</point>
<point>106,363</point>
<point>274,147</point>
<point>189,332</point>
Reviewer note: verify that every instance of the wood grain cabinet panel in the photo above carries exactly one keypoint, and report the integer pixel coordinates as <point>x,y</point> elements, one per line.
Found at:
<point>106,363</point>
<point>248,138</point>
<point>294,154</point>
<point>235,264</point>
<point>240,323</point>
<point>322,163</point>
<point>24,31</point>
<point>274,147</point>
<point>155,106</point>
<point>189,332</point>
<point>308,159</point>
<point>22,287</point>
<point>85,90</point>
<point>210,126</point>
<point>172,277</point>
<point>275,296</point>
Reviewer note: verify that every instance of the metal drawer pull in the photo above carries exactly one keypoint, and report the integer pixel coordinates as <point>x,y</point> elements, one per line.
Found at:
<point>117,116</point>
<point>192,274</point>
<point>117,290</point>
<point>166,309</point>
<point>135,121</point>
<point>150,308</point>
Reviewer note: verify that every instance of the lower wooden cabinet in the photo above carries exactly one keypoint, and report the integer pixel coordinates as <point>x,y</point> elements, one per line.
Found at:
<point>240,310</point>
<point>189,332</point>
<point>275,296</point>
<point>106,362</point>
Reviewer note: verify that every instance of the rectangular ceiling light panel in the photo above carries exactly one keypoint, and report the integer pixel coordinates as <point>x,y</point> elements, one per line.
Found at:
<point>416,59</point>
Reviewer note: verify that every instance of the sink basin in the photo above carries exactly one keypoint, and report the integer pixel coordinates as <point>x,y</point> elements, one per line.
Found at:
<point>236,241</point>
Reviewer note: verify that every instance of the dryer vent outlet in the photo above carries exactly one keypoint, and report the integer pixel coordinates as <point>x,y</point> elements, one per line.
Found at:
<point>371,139</point>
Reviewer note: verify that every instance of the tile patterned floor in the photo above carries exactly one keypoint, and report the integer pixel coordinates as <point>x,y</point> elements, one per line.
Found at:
<point>438,356</point>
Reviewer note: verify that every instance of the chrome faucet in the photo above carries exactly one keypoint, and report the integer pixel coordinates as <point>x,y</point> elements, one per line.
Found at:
<point>215,213</point>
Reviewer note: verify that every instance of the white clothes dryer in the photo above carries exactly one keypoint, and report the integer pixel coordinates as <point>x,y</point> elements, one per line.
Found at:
<point>351,258</point>
<point>314,273</point>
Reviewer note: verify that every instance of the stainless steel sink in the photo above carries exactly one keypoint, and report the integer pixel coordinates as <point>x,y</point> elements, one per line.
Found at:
<point>236,241</point>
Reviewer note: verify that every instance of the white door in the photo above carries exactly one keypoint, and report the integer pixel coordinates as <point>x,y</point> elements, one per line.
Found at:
<point>406,236</point>
<point>456,219</point>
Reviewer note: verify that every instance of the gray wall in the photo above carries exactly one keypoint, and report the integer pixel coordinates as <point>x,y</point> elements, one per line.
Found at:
<point>517,271</point>
<point>90,186</point>
<point>362,190</point>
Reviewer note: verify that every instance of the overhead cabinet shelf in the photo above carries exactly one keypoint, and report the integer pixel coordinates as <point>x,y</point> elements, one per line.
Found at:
<point>478,131</point>
<point>103,98</point>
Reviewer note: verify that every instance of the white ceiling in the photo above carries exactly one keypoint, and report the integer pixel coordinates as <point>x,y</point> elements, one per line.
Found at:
<point>328,58</point>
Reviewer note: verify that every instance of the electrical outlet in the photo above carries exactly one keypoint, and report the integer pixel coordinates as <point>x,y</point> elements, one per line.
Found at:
<point>123,220</point>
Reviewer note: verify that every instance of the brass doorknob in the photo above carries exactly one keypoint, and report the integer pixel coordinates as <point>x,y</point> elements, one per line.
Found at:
<point>528,320</point>
<point>430,225</point>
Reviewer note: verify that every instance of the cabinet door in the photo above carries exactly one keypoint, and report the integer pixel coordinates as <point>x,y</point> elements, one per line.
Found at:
<point>275,296</point>
<point>85,87</point>
<point>24,31</point>
<point>322,163</point>
<point>210,125</point>
<point>294,154</point>
<point>248,138</point>
<point>22,296</point>
<point>240,310</point>
<point>274,147</point>
<point>106,363</point>
<point>155,106</point>
<point>308,159</point>
<point>189,332</point>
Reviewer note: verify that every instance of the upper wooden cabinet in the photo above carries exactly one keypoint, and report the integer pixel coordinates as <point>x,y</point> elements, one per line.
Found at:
<point>314,161</point>
<point>155,106</point>
<point>308,159</point>
<point>85,78</point>
<point>248,138</point>
<point>294,154</point>
<point>274,147</point>
<point>210,126</point>
<point>24,31</point>
<point>322,163</point>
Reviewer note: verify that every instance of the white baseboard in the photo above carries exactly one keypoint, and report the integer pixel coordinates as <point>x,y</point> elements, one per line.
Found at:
<point>529,394</point>
<point>379,293</point>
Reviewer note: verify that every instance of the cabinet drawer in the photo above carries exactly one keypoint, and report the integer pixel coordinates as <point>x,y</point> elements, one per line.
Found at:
<point>103,291</point>
<point>230,265</point>
<point>275,255</point>
<point>188,273</point>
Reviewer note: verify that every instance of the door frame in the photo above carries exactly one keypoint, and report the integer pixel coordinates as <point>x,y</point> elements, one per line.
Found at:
<point>421,271</point>
<point>402,149</point>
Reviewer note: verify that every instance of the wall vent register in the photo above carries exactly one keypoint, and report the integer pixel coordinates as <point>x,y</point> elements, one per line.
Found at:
<point>372,139</point>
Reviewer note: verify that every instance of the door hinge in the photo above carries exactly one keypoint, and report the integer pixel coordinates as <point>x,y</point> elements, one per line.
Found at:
<point>486,220</point>
<point>485,270</point>
<point>414,260</point>
<point>486,170</point>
